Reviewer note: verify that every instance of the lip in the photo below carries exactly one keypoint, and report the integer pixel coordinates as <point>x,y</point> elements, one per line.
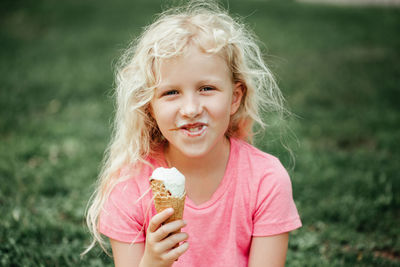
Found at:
<point>193,129</point>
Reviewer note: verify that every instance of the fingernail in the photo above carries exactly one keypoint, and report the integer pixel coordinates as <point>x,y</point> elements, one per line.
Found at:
<point>184,222</point>
<point>170,210</point>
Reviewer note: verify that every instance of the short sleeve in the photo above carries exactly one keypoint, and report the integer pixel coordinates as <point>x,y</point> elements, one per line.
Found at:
<point>121,218</point>
<point>275,210</point>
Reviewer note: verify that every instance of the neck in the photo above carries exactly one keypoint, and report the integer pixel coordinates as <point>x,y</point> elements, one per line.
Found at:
<point>200,166</point>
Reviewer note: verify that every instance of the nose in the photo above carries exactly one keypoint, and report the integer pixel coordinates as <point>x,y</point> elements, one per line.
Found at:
<point>191,106</point>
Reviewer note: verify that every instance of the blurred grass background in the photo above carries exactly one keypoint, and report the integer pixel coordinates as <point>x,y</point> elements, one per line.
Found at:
<point>337,66</point>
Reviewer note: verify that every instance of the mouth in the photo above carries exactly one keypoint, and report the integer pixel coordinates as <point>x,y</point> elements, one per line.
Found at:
<point>193,129</point>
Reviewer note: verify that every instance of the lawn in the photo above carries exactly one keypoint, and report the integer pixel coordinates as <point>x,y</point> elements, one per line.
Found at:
<point>338,68</point>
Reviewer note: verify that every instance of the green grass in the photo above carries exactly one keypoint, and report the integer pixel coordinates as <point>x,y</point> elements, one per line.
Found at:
<point>337,66</point>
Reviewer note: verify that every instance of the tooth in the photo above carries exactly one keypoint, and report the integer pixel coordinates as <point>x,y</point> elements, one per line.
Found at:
<point>195,129</point>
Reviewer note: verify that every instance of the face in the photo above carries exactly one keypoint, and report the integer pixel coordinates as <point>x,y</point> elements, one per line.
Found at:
<point>194,102</point>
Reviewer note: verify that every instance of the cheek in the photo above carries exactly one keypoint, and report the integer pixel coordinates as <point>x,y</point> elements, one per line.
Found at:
<point>220,110</point>
<point>159,117</point>
<point>223,105</point>
<point>162,114</point>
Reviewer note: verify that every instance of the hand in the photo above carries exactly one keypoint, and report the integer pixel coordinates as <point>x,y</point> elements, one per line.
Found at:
<point>160,244</point>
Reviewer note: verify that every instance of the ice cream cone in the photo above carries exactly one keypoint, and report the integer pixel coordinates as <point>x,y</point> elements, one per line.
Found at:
<point>163,200</point>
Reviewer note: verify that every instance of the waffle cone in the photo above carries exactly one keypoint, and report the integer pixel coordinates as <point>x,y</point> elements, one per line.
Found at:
<point>163,200</point>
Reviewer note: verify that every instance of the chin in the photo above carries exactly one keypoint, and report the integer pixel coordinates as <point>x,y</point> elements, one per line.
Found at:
<point>196,148</point>
<point>194,152</point>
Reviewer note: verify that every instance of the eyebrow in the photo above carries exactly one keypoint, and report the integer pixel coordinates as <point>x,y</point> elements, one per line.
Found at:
<point>206,81</point>
<point>201,82</point>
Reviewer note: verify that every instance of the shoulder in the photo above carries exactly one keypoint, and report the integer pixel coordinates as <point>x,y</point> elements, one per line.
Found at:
<point>263,173</point>
<point>123,213</point>
<point>243,147</point>
<point>132,181</point>
<point>267,186</point>
<point>258,163</point>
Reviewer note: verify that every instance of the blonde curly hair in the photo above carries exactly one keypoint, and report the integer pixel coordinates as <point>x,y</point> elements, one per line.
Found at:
<point>135,133</point>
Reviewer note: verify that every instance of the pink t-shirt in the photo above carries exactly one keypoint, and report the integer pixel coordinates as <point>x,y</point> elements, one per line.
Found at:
<point>253,199</point>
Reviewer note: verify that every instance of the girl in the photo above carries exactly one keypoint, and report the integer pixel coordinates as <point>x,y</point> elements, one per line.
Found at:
<point>188,93</point>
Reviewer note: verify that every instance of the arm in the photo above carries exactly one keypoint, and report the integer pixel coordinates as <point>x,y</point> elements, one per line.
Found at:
<point>125,254</point>
<point>159,248</point>
<point>268,250</point>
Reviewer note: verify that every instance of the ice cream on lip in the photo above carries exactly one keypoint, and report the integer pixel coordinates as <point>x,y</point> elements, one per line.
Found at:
<point>192,129</point>
<point>173,180</point>
<point>190,124</point>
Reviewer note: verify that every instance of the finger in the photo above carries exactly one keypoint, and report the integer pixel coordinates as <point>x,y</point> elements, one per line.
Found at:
<point>173,240</point>
<point>159,218</point>
<point>166,229</point>
<point>175,253</point>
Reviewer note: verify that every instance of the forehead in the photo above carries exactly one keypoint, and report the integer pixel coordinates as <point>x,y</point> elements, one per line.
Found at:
<point>192,65</point>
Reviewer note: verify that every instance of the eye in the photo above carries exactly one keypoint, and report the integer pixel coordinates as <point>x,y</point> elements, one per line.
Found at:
<point>207,88</point>
<point>170,92</point>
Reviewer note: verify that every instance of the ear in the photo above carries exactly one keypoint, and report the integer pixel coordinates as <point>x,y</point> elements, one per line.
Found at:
<point>238,92</point>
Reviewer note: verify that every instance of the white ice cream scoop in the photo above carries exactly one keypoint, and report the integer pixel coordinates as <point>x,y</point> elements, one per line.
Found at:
<point>173,180</point>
